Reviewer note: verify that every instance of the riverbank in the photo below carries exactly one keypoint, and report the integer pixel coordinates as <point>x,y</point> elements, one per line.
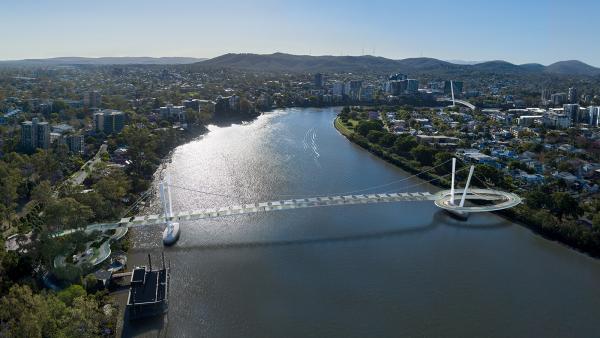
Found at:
<point>120,297</point>
<point>375,256</point>
<point>539,221</point>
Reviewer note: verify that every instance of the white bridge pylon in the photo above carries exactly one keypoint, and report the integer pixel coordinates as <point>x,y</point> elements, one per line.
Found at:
<point>443,199</point>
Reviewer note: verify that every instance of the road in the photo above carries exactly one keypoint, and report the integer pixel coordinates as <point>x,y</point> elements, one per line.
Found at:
<point>81,174</point>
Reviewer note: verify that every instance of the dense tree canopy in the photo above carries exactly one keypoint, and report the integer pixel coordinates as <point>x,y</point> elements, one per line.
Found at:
<point>70,314</point>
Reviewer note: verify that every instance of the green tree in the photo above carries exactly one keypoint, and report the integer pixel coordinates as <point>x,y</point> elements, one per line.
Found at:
<point>423,154</point>
<point>490,174</point>
<point>113,187</point>
<point>596,222</point>
<point>67,213</point>
<point>9,182</point>
<point>537,199</point>
<point>565,166</point>
<point>24,313</point>
<point>69,294</point>
<point>387,140</point>
<point>404,144</point>
<point>443,162</point>
<point>365,126</point>
<point>42,192</point>
<point>565,205</point>
<point>374,136</point>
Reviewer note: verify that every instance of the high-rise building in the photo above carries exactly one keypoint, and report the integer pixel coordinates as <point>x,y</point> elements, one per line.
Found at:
<point>75,143</point>
<point>198,105</point>
<point>337,89</point>
<point>92,99</point>
<point>594,114</point>
<point>367,93</point>
<point>545,96</point>
<point>226,105</point>
<point>193,104</point>
<point>173,112</point>
<point>352,89</point>
<point>559,121</point>
<point>234,103</point>
<point>109,121</point>
<point>412,86</point>
<point>558,98</point>
<point>319,80</point>
<point>572,96</point>
<point>35,134</point>
<point>396,87</point>
<point>572,110</point>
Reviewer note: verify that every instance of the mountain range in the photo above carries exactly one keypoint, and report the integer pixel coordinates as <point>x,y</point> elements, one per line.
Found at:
<point>280,62</point>
<point>57,61</point>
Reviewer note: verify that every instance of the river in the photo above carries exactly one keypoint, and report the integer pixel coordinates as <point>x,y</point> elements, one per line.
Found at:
<point>379,270</point>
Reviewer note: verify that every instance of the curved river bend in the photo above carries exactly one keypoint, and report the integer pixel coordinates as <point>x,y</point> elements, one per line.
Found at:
<point>381,270</point>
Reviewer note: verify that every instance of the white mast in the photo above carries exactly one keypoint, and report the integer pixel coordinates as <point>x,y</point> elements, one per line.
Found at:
<point>169,195</point>
<point>165,198</point>
<point>452,90</point>
<point>452,184</point>
<point>171,232</point>
<point>462,200</point>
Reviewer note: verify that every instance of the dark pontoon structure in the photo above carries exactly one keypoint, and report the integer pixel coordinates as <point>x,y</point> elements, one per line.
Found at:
<point>148,291</point>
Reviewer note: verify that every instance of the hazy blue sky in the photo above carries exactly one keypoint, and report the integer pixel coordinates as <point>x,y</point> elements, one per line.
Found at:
<point>519,31</point>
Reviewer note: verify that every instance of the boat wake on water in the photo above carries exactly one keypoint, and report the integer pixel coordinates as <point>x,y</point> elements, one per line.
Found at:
<point>310,142</point>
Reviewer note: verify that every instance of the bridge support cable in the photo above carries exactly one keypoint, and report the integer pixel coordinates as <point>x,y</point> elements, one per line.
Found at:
<point>394,182</point>
<point>331,193</point>
<point>462,200</point>
<point>143,197</point>
<point>431,180</point>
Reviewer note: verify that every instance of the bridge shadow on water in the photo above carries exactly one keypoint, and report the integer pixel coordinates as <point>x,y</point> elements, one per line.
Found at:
<point>440,218</point>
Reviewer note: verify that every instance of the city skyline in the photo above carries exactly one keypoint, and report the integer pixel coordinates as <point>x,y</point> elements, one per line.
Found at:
<point>517,32</point>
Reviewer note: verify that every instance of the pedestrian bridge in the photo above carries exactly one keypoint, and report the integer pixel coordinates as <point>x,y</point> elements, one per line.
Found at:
<point>452,200</point>
<point>455,101</point>
<point>443,199</point>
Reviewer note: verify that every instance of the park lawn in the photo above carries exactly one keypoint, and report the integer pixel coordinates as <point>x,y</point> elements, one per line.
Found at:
<point>343,128</point>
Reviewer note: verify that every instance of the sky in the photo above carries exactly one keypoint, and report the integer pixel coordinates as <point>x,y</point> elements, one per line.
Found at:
<point>518,31</point>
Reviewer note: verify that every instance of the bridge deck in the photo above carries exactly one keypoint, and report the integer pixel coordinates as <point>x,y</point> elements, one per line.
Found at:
<point>441,200</point>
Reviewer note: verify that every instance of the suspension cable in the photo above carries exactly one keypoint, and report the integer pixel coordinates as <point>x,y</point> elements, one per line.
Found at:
<point>433,179</point>
<point>144,196</point>
<point>333,193</point>
<point>342,193</point>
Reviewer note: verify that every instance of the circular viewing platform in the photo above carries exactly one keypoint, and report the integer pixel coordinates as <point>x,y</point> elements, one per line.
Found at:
<point>500,200</point>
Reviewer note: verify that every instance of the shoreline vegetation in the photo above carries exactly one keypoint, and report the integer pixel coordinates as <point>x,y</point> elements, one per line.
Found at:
<point>48,200</point>
<point>540,221</point>
<point>147,148</point>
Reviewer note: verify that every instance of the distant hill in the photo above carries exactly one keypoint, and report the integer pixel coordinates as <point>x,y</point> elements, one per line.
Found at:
<point>572,67</point>
<point>280,62</point>
<point>464,62</point>
<point>106,61</point>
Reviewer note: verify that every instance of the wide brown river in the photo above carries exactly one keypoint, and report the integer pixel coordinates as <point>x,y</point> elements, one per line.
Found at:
<point>380,270</point>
